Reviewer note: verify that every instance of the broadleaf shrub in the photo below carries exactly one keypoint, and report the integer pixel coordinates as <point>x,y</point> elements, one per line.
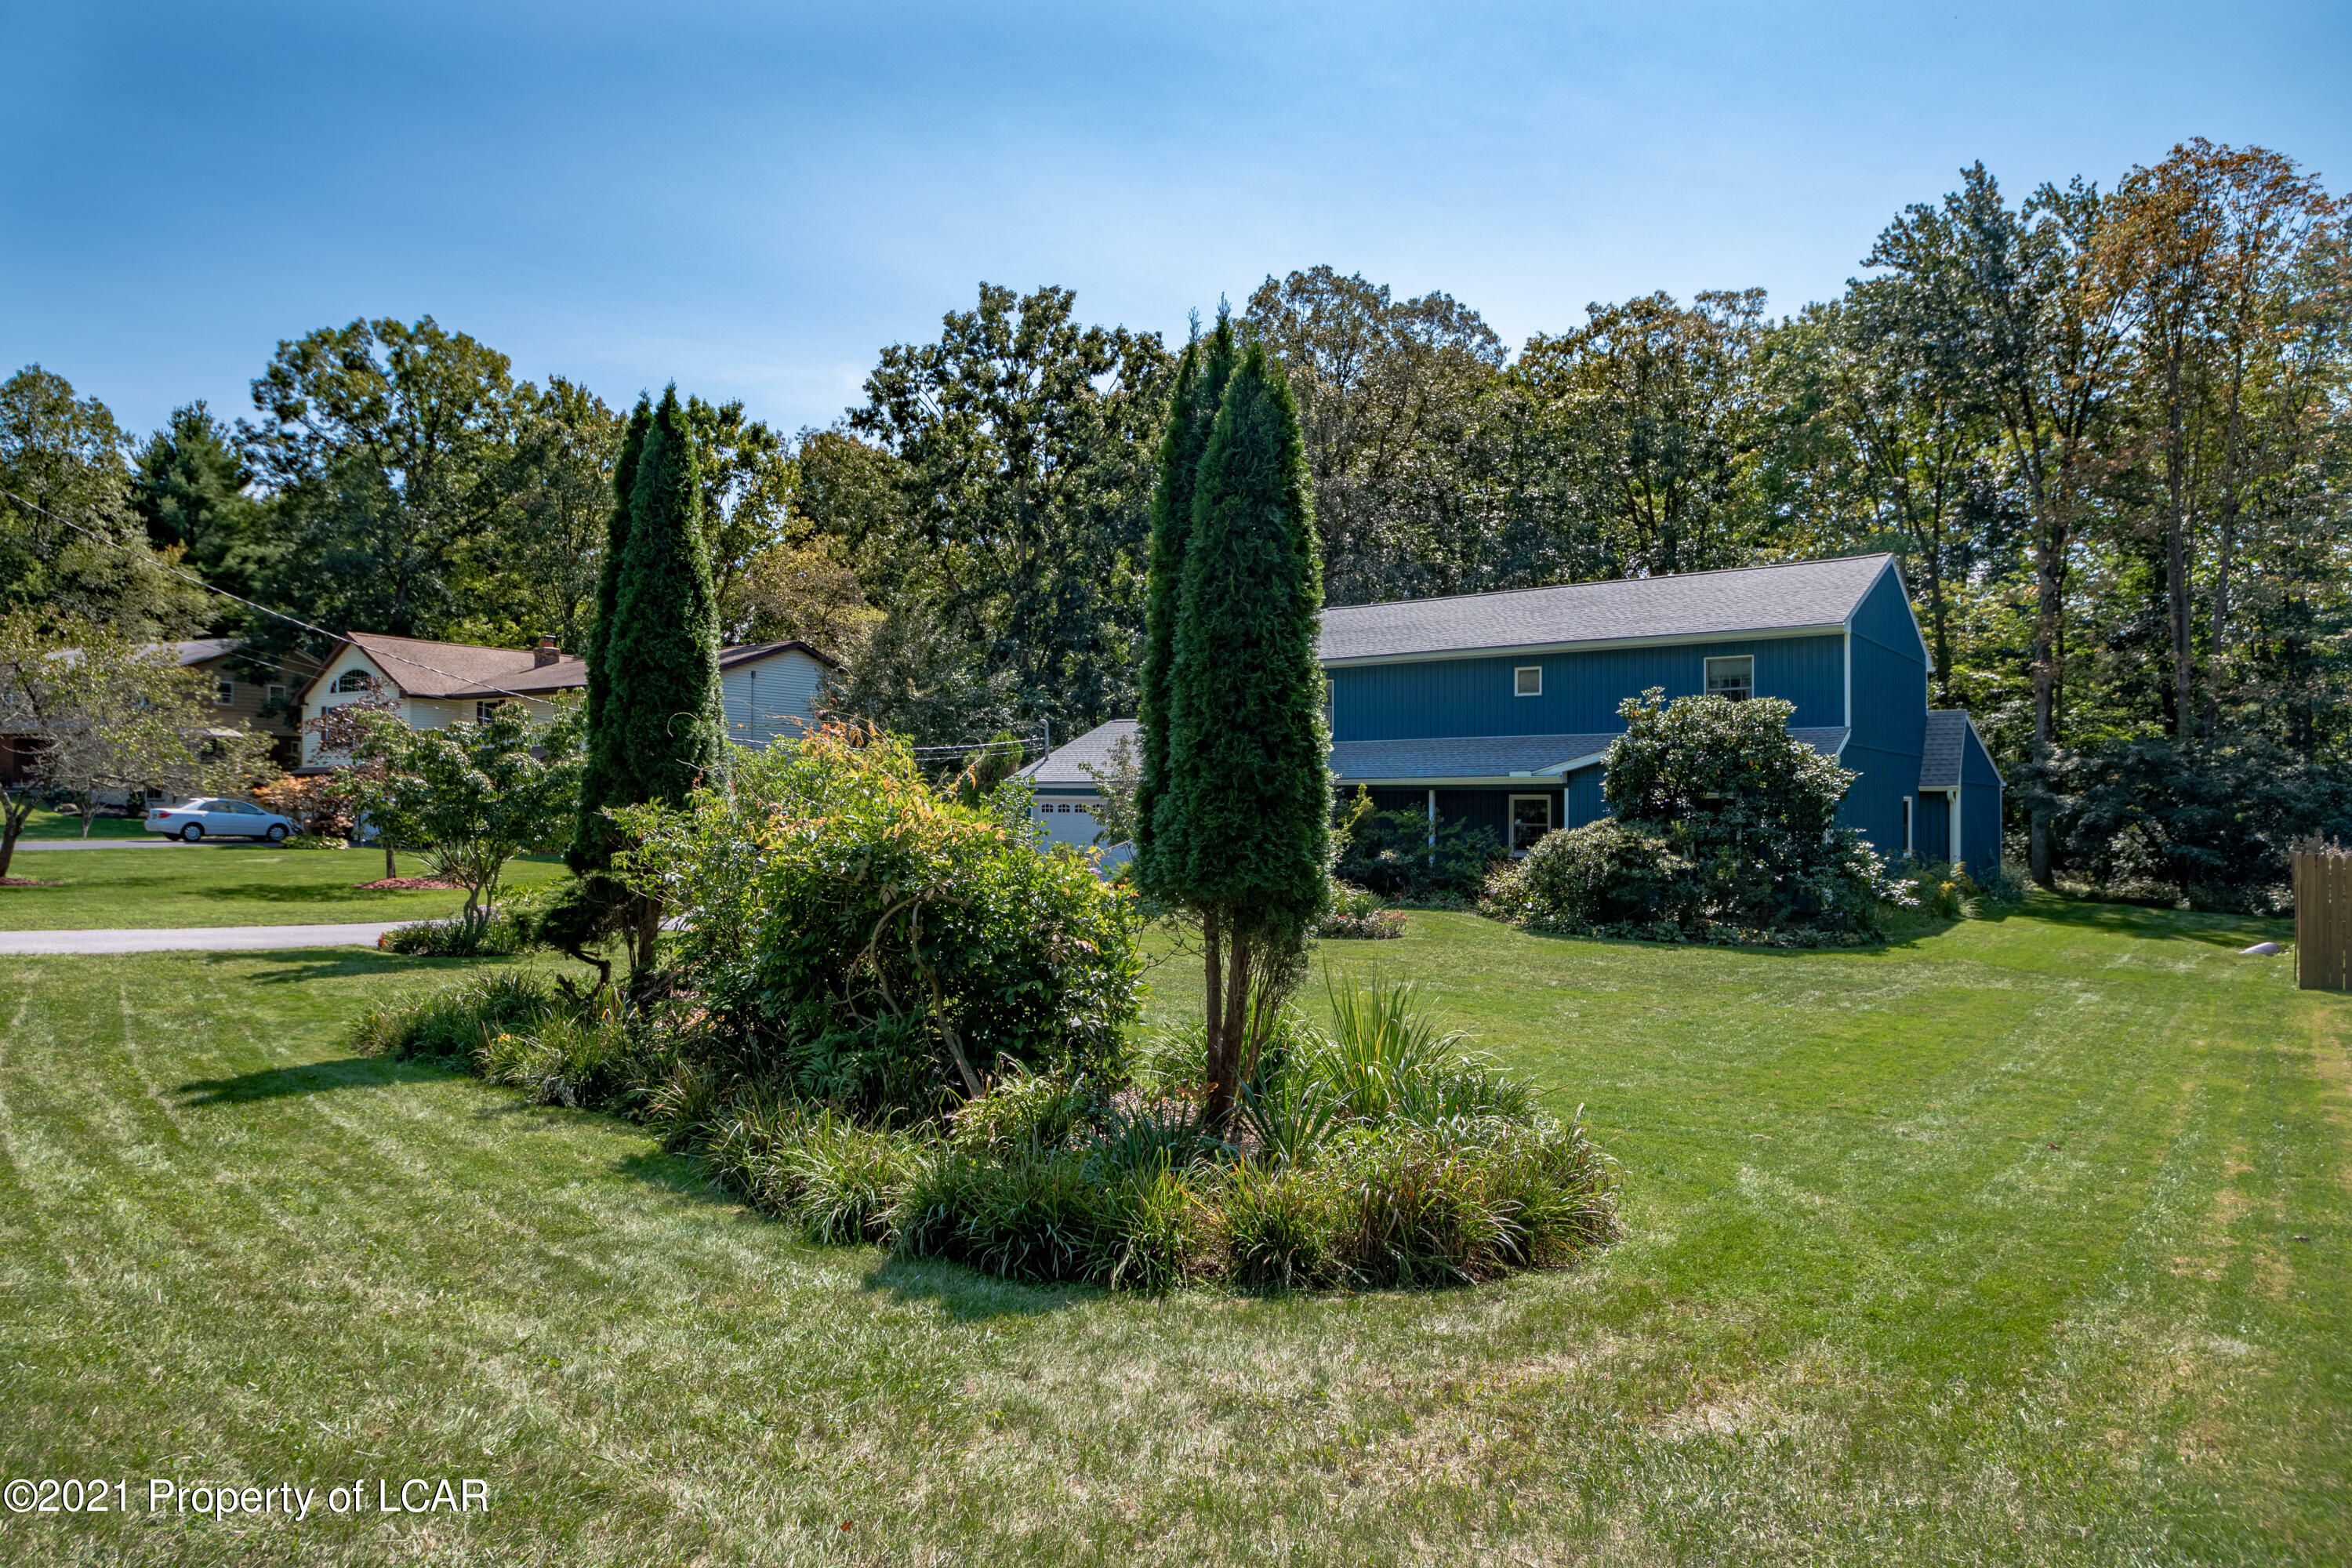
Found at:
<point>848,931</point>
<point>1391,854</point>
<point>1724,827</point>
<point>2208,822</point>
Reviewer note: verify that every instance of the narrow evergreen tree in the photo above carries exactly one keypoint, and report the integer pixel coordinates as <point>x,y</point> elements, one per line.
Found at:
<point>592,835</point>
<point>1201,378</point>
<point>661,658</point>
<point>1243,829</point>
<point>654,718</point>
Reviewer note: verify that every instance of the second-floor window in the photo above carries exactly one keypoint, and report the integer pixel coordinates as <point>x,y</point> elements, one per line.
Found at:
<point>224,691</point>
<point>1733,678</point>
<point>1527,680</point>
<point>354,680</point>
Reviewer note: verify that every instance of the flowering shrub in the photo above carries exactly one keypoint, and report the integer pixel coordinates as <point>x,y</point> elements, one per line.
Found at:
<point>1724,827</point>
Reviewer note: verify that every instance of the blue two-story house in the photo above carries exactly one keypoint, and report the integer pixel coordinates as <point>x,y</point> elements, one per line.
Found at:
<point>1497,710</point>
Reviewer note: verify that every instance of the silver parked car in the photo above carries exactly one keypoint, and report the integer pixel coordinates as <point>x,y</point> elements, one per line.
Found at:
<point>202,819</point>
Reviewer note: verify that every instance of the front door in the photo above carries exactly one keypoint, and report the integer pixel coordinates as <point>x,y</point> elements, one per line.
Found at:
<point>1530,820</point>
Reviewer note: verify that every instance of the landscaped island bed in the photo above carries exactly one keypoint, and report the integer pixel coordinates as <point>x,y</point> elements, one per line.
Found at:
<point>1980,1248</point>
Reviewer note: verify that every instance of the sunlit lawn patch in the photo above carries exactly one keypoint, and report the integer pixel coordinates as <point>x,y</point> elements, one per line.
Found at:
<point>1979,1248</point>
<point>224,885</point>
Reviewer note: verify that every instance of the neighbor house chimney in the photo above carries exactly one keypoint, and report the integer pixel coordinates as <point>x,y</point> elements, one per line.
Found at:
<point>545,653</point>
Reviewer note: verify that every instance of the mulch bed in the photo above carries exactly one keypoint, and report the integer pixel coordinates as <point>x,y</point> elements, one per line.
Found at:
<point>407,885</point>
<point>28,882</point>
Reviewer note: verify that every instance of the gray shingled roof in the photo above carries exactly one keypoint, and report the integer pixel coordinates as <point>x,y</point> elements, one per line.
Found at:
<point>1940,754</point>
<point>1065,764</point>
<point>1786,597</point>
<point>1353,761</point>
<point>1494,756</point>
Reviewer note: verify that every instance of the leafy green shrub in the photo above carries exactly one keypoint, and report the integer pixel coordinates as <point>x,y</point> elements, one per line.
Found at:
<point>2208,821</point>
<point>497,936</point>
<point>1358,913</point>
<point>584,1059</point>
<point>312,841</point>
<point>1606,872</point>
<point>456,1021</point>
<point>1390,853</point>
<point>1036,1110</point>
<point>853,933</point>
<point>1725,829</point>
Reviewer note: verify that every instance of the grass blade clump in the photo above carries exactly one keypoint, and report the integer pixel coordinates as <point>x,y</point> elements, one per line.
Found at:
<point>456,1021</point>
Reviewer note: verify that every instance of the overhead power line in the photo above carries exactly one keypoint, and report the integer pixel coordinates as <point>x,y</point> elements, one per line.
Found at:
<point>248,604</point>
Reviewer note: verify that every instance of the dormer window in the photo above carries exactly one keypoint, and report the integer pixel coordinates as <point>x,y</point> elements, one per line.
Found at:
<point>1527,680</point>
<point>1733,678</point>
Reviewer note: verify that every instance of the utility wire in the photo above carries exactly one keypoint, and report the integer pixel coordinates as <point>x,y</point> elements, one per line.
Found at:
<point>1043,741</point>
<point>248,604</point>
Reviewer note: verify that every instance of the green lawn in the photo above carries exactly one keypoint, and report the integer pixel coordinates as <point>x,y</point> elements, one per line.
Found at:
<point>45,824</point>
<point>1979,1250</point>
<point>224,885</point>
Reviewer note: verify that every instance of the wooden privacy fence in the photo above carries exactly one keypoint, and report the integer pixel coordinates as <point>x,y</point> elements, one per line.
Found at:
<point>2323,917</point>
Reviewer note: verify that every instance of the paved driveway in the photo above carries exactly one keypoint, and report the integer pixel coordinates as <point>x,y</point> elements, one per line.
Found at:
<point>155,841</point>
<point>194,939</point>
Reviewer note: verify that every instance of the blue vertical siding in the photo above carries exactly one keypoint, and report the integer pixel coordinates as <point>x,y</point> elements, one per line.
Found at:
<point>1587,801</point>
<point>1442,697</point>
<point>1980,790</point>
<point>1890,714</point>
<point>1934,828</point>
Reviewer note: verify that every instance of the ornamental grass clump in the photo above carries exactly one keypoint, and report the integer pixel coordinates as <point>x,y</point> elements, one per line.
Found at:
<point>1379,1153</point>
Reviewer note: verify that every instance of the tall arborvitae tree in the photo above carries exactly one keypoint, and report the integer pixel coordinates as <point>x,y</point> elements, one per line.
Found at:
<point>1243,831</point>
<point>655,685</point>
<point>1201,380</point>
<point>593,838</point>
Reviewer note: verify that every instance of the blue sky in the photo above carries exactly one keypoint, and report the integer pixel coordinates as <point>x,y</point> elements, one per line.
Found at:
<point>753,200</point>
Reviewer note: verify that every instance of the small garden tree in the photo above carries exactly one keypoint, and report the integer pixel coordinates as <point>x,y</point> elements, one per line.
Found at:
<point>99,712</point>
<point>474,795</point>
<point>1241,831</point>
<point>1722,819</point>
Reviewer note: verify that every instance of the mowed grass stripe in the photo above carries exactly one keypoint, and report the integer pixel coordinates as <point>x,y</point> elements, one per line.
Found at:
<point>1772,1367</point>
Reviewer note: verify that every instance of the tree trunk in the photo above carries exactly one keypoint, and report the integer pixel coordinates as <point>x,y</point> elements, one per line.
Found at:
<point>2176,562</point>
<point>391,861</point>
<point>1213,1002</point>
<point>1224,1073</point>
<point>2049,563</point>
<point>10,831</point>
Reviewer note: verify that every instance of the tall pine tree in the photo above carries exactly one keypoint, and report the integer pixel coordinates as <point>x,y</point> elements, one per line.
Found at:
<point>1201,378</point>
<point>1241,832</point>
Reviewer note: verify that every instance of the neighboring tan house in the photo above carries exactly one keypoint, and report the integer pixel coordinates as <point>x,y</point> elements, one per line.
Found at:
<point>770,690</point>
<point>266,704</point>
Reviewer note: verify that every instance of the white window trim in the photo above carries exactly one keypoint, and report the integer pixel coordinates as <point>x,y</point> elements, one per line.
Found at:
<point>1706,671</point>
<point>1910,803</point>
<point>1518,688</point>
<point>1511,820</point>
